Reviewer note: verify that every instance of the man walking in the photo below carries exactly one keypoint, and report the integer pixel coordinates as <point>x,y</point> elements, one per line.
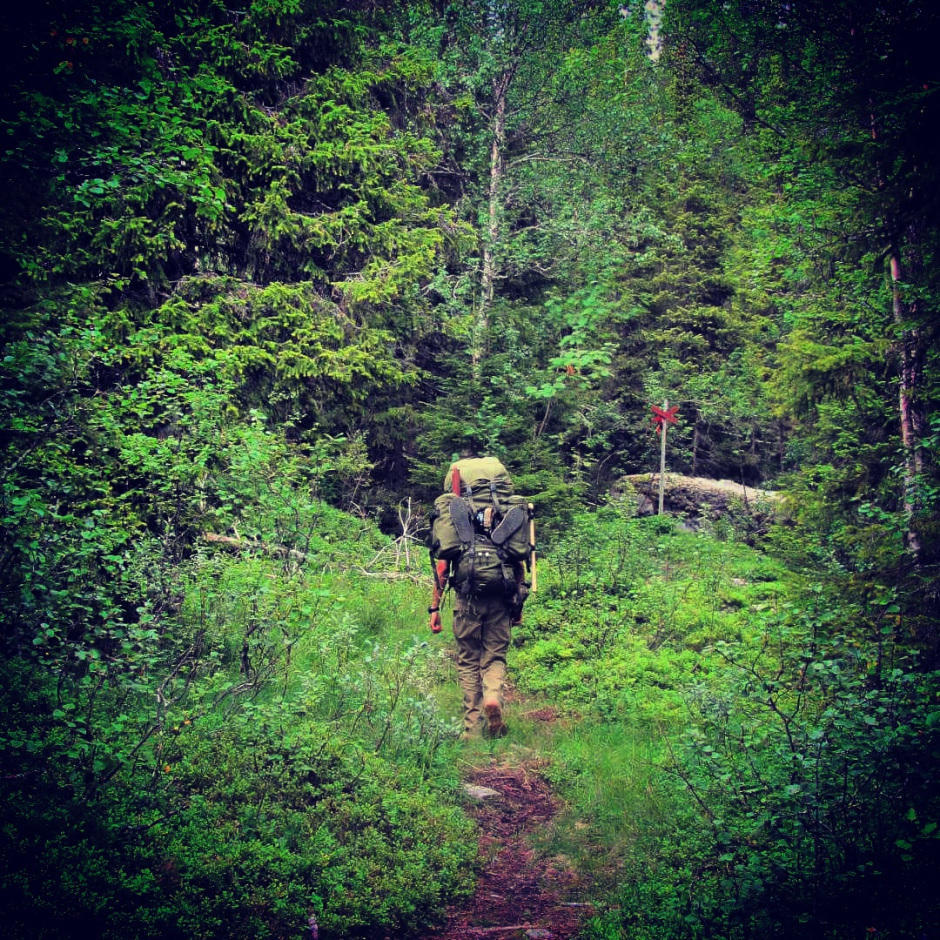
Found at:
<point>485,569</point>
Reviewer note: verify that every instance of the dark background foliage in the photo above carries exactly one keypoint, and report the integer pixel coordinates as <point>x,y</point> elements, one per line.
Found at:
<point>264,267</point>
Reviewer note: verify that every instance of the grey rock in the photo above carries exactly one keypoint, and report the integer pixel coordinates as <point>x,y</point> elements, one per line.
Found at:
<point>479,793</point>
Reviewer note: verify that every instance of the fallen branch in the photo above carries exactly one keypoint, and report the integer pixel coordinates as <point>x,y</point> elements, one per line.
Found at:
<point>239,543</point>
<point>392,575</point>
<point>285,552</point>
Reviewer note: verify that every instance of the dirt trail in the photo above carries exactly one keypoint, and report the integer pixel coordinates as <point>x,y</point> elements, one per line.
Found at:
<point>518,894</point>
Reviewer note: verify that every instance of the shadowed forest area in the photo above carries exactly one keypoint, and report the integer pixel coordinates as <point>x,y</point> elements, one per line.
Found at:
<point>266,267</point>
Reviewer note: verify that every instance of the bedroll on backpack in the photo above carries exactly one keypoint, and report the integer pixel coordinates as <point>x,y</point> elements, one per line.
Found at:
<point>472,470</point>
<point>444,540</point>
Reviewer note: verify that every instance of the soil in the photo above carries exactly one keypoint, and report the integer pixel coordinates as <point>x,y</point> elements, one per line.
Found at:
<point>519,893</point>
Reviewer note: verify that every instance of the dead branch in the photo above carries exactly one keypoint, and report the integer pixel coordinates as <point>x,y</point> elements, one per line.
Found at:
<point>408,574</point>
<point>392,575</point>
<point>471,931</point>
<point>281,550</point>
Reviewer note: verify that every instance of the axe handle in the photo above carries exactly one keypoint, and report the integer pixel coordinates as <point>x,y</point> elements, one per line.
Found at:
<point>532,543</point>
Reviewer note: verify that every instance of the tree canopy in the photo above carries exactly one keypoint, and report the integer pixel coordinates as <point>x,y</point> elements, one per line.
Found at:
<point>266,266</point>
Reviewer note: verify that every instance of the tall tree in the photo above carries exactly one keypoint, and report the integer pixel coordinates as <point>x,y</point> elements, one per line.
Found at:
<point>845,96</point>
<point>501,60</point>
<point>218,219</point>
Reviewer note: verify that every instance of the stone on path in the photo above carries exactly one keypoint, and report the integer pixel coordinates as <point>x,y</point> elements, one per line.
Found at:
<point>480,793</point>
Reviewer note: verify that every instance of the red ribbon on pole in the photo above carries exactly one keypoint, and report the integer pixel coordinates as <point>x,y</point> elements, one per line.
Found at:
<point>662,417</point>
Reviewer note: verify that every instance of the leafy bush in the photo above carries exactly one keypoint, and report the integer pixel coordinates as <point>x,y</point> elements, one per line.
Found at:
<point>809,770</point>
<point>253,829</point>
<point>251,744</point>
<point>626,607</point>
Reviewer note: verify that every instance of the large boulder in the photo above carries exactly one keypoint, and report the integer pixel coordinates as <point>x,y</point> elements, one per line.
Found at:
<point>699,500</point>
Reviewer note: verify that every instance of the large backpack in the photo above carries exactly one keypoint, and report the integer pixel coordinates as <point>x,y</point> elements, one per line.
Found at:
<point>483,530</point>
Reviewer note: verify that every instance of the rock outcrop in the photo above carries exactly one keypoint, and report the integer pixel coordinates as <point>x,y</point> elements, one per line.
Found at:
<point>700,500</point>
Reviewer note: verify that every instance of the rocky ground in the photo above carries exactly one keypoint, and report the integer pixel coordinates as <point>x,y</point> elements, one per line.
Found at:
<point>701,500</point>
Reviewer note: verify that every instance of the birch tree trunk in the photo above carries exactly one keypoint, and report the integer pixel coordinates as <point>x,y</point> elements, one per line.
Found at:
<point>911,361</point>
<point>491,232</point>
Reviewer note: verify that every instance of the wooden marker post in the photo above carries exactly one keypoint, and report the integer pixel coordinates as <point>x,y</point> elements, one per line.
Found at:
<point>662,458</point>
<point>662,418</point>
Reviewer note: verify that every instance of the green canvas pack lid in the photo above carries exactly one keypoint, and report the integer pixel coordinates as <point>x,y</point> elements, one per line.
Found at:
<point>475,468</point>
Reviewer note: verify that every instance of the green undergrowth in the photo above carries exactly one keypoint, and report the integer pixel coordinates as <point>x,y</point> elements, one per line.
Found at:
<point>628,609</point>
<point>268,755</point>
<point>268,738</point>
<point>743,751</point>
<point>623,626</point>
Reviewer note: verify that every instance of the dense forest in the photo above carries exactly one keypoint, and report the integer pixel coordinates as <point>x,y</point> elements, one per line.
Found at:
<point>267,266</point>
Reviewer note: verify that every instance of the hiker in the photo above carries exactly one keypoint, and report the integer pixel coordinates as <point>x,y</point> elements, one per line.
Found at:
<point>481,537</point>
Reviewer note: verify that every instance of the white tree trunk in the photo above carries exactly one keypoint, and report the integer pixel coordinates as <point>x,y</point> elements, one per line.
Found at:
<point>491,233</point>
<point>909,413</point>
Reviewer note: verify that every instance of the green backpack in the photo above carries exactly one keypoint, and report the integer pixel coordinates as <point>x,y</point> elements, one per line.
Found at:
<point>483,531</point>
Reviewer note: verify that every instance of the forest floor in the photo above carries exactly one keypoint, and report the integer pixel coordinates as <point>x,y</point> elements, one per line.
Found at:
<point>520,893</point>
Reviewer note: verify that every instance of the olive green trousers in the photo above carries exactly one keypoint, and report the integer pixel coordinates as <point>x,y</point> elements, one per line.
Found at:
<point>481,628</point>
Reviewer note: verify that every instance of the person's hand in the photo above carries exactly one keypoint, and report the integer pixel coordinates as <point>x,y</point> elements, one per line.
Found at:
<point>435,623</point>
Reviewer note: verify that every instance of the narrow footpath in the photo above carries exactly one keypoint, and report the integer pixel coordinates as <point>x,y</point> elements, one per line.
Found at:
<point>519,894</point>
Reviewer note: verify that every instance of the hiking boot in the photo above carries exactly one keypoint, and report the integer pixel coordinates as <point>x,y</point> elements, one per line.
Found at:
<point>494,718</point>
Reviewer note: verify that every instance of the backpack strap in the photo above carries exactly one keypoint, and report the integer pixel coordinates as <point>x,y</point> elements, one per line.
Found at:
<point>494,497</point>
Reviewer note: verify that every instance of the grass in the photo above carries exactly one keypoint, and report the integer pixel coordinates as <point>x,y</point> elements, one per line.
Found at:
<point>608,666</point>
<point>609,642</point>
